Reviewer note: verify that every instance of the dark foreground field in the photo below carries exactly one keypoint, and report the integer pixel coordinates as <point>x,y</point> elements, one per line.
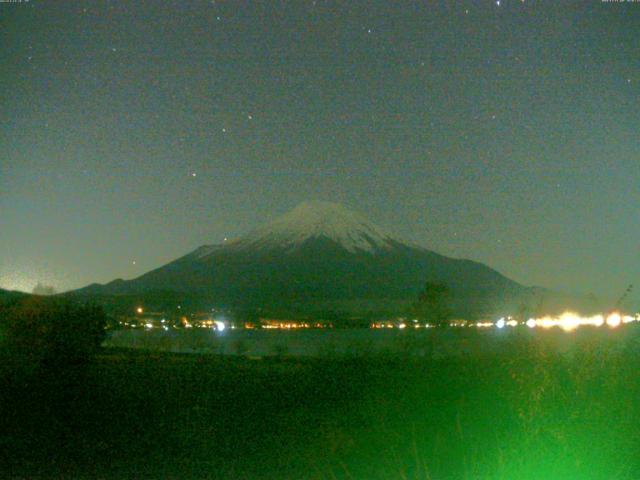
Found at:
<point>524,412</point>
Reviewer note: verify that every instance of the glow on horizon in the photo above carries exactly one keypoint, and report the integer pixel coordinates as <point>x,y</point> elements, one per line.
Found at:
<point>21,283</point>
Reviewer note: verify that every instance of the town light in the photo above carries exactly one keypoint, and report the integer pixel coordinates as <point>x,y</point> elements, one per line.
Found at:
<point>569,321</point>
<point>614,319</point>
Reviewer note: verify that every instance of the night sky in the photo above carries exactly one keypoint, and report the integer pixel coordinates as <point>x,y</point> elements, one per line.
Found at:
<point>131,132</point>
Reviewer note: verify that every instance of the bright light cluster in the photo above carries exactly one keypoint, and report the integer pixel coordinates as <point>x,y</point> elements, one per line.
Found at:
<point>569,321</point>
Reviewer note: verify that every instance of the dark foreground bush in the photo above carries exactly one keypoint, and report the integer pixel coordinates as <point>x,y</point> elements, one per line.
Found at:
<point>45,330</point>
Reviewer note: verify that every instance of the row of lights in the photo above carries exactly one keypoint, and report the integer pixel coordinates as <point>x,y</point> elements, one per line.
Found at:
<point>569,321</point>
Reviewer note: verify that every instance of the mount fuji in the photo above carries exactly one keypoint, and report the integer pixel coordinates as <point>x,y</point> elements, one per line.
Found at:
<point>318,257</point>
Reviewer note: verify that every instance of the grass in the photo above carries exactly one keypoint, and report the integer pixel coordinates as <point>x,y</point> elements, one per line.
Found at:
<point>524,412</point>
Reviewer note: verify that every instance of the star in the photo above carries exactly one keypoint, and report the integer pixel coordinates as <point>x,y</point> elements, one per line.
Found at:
<point>498,2</point>
<point>134,262</point>
<point>193,174</point>
<point>224,130</point>
<point>250,117</point>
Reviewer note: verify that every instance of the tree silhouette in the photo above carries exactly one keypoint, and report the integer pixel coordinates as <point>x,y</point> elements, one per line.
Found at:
<point>52,331</point>
<point>433,304</point>
<point>41,289</point>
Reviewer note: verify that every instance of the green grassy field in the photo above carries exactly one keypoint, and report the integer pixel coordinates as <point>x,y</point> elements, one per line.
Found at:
<point>525,412</point>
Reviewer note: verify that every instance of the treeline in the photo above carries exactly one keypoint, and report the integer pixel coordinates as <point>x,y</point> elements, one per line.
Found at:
<point>45,330</point>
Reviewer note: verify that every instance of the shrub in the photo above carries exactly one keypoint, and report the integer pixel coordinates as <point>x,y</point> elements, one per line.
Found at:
<point>47,330</point>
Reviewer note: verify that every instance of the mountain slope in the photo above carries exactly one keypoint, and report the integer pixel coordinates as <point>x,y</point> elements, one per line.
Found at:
<point>320,256</point>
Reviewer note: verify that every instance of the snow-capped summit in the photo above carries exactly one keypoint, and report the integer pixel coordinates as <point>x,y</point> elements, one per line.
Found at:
<point>312,220</point>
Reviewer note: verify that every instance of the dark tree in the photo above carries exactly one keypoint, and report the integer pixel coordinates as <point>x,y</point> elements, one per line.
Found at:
<point>52,331</point>
<point>41,289</point>
<point>433,304</point>
<point>524,311</point>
